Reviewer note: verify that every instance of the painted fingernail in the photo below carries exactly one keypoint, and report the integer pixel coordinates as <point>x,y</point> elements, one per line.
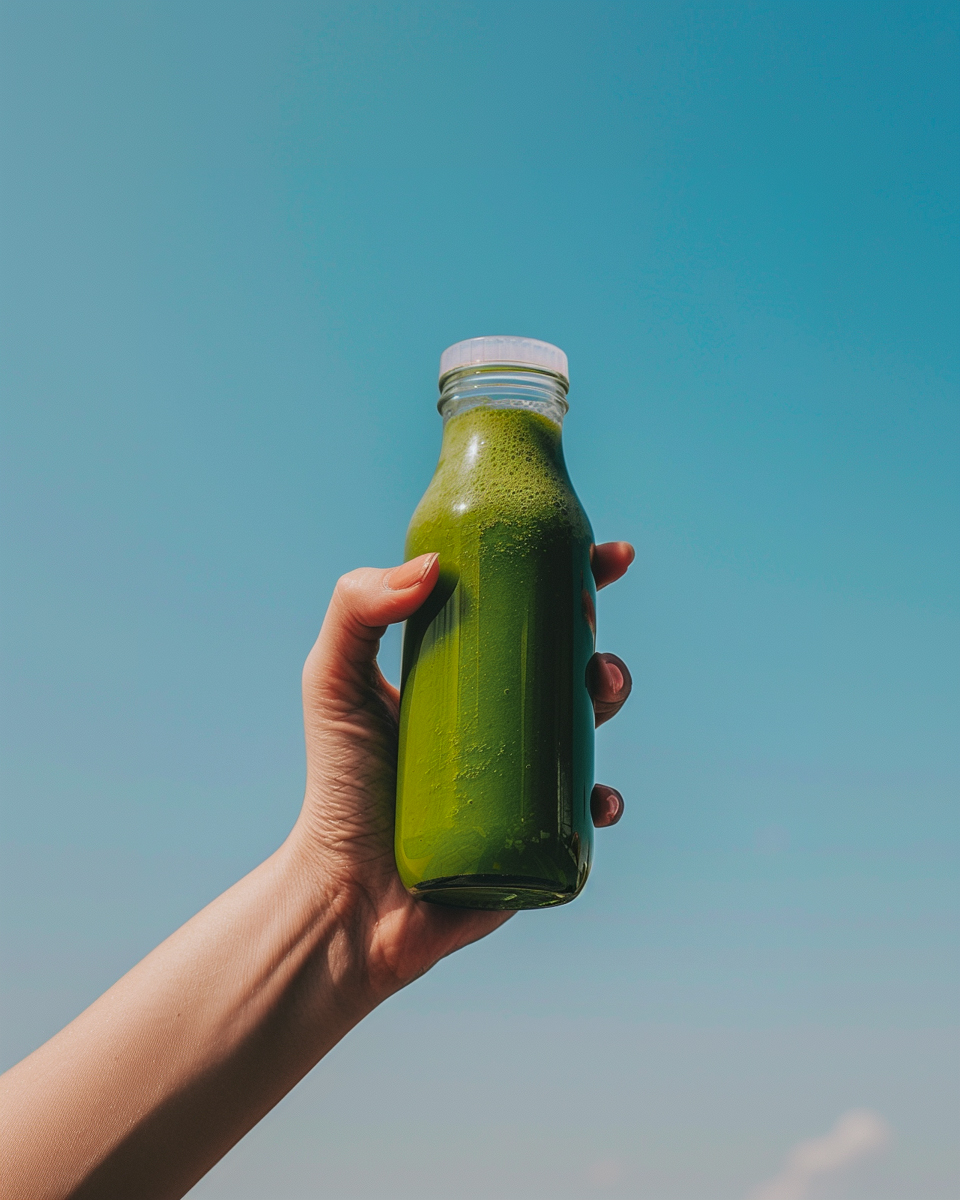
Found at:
<point>409,573</point>
<point>606,806</point>
<point>614,677</point>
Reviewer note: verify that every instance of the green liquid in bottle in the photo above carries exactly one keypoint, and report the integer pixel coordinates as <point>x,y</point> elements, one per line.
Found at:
<point>496,722</point>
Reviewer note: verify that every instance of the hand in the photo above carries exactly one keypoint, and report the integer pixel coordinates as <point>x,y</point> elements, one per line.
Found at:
<point>159,1077</point>
<point>351,713</point>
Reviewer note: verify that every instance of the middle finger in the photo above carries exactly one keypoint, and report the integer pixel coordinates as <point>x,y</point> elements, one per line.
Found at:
<point>609,684</point>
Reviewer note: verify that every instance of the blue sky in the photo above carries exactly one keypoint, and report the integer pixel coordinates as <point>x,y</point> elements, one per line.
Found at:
<point>236,239</point>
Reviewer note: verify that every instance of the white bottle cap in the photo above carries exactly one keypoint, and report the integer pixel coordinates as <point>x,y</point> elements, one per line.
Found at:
<point>504,352</point>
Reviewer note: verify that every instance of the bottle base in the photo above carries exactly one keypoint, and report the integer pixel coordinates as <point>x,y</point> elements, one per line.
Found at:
<point>498,893</point>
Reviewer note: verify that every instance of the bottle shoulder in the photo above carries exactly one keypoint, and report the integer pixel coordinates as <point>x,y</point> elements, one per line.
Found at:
<point>503,469</point>
<point>549,510</point>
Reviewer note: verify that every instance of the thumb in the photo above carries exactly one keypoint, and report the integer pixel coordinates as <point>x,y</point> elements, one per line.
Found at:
<point>364,603</point>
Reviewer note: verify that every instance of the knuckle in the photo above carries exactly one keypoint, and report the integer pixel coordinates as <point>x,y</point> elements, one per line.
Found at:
<point>348,581</point>
<point>350,586</point>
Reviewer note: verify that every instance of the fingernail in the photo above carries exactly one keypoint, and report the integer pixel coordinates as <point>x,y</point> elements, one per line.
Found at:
<point>606,805</point>
<point>409,573</point>
<point>614,677</point>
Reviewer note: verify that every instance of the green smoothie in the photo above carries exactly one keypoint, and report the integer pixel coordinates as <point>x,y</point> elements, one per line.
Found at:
<point>496,723</point>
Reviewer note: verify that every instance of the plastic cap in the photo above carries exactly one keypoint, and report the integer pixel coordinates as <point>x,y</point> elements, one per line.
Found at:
<point>505,352</point>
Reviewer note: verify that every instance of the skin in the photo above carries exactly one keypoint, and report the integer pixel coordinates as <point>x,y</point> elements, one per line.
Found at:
<point>152,1084</point>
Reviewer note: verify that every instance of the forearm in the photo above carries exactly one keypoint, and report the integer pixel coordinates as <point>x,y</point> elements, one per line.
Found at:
<point>151,1085</point>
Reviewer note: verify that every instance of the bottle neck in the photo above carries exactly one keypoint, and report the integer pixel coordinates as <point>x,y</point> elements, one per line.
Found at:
<point>503,387</point>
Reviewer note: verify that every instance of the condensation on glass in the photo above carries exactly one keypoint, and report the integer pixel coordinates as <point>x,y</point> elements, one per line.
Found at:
<point>496,723</point>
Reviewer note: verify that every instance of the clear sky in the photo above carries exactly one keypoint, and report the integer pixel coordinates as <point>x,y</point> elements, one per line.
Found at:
<point>236,238</point>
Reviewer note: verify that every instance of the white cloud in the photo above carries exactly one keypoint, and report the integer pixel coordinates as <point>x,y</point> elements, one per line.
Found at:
<point>856,1134</point>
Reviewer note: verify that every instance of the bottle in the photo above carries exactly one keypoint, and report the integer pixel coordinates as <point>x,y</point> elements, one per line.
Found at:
<point>495,761</point>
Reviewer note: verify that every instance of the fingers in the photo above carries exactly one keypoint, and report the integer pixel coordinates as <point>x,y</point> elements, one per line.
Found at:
<point>610,560</point>
<point>367,600</point>
<point>606,806</point>
<point>608,678</point>
<point>609,684</point>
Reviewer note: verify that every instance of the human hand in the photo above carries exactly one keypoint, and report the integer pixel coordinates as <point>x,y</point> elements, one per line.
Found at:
<point>345,829</point>
<point>159,1077</point>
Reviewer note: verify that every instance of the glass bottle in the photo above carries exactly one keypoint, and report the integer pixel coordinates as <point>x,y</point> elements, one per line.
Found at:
<point>496,723</point>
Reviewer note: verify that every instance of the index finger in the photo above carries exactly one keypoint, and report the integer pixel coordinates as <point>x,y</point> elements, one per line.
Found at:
<point>610,560</point>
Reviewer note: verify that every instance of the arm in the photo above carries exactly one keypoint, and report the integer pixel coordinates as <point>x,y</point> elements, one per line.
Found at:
<point>155,1081</point>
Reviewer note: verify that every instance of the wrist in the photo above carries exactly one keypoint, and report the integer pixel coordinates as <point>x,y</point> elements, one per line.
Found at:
<point>362,925</point>
<point>341,921</point>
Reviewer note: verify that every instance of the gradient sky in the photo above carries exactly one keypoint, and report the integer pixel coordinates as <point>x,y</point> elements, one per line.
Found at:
<point>236,238</point>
